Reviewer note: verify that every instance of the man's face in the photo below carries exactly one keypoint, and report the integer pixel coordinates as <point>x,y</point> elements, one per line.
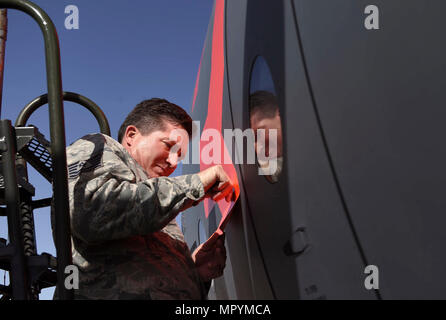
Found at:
<point>158,152</point>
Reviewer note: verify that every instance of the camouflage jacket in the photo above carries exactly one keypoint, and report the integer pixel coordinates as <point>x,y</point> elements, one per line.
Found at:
<point>126,242</point>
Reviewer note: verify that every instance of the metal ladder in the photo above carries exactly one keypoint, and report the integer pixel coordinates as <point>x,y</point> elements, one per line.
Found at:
<point>30,272</point>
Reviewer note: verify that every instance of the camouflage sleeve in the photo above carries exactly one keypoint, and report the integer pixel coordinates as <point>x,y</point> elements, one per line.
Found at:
<point>108,204</point>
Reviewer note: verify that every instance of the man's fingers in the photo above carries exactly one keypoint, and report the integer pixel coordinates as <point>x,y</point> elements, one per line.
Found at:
<point>221,186</point>
<point>210,243</point>
<point>219,191</point>
<point>216,270</point>
<point>226,193</point>
<point>217,197</point>
<point>221,241</point>
<point>220,260</point>
<point>212,260</point>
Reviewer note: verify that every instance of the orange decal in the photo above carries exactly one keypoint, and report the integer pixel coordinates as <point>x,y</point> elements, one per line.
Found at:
<point>215,108</point>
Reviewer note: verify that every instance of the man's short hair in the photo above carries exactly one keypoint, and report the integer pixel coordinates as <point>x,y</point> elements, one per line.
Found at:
<point>150,115</point>
<point>264,102</point>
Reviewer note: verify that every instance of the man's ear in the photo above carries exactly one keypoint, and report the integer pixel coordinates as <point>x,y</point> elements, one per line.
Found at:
<point>129,136</point>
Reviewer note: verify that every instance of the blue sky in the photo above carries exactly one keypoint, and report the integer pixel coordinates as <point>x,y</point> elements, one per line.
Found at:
<point>122,53</point>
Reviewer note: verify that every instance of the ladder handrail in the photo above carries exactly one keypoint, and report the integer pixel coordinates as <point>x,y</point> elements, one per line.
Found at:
<point>42,100</point>
<point>57,135</point>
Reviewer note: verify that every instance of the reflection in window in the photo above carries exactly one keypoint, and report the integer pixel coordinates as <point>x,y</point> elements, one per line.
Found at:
<point>265,120</point>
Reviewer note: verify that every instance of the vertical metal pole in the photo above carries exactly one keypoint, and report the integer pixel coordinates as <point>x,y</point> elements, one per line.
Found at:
<point>18,271</point>
<point>29,235</point>
<point>3,34</point>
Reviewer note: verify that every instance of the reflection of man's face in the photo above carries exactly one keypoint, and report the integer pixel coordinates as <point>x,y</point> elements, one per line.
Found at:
<point>259,121</point>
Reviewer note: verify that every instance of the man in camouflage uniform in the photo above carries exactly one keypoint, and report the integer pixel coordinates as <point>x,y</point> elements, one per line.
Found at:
<point>126,242</point>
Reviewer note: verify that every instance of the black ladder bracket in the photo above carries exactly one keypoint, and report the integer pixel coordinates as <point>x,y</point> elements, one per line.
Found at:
<point>35,149</point>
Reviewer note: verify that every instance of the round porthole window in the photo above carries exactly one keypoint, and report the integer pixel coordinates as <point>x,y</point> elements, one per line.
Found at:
<point>264,119</point>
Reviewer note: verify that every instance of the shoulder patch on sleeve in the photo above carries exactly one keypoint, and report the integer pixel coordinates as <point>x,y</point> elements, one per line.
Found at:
<point>91,164</point>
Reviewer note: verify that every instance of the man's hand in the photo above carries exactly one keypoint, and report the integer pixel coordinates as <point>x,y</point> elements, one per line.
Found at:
<point>210,257</point>
<point>217,184</point>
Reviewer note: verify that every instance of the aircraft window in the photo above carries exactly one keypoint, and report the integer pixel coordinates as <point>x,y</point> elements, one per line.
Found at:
<point>201,233</point>
<point>265,120</point>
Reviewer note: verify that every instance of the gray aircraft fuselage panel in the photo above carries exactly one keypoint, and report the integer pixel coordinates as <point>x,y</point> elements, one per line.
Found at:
<point>381,101</point>
<point>361,114</point>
